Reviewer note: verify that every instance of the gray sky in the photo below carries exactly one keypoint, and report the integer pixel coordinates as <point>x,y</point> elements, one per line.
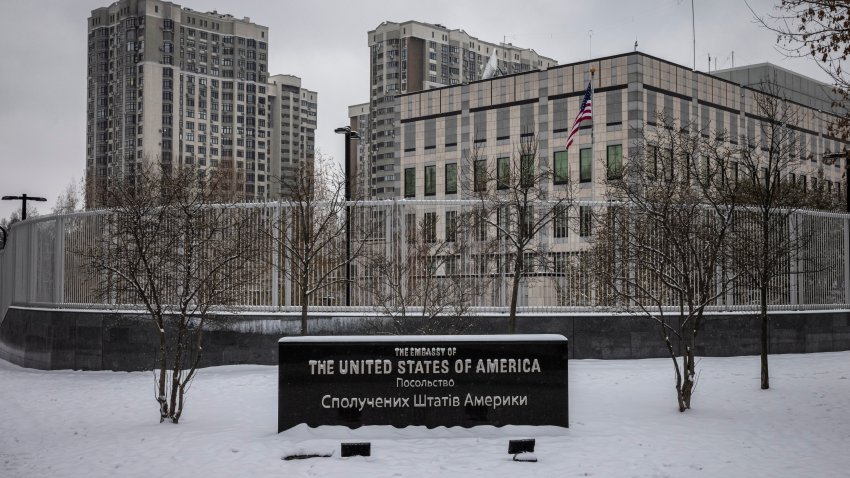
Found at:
<point>43,78</point>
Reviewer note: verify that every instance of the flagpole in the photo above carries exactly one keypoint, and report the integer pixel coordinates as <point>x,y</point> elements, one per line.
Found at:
<point>592,144</point>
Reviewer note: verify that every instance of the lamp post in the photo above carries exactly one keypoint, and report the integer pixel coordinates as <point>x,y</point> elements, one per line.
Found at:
<point>23,198</point>
<point>349,135</point>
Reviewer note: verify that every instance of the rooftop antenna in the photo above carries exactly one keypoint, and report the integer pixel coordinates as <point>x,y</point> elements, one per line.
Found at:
<point>694,34</point>
<point>635,43</point>
<point>590,42</point>
<point>733,58</point>
<point>709,62</point>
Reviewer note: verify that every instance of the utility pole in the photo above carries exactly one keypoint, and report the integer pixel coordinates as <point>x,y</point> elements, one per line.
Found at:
<point>349,135</point>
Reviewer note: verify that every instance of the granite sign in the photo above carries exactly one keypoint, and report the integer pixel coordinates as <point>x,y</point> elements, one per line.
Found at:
<point>423,380</point>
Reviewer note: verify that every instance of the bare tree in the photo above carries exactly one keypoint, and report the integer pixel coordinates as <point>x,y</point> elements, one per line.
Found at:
<point>515,200</point>
<point>428,282</point>
<point>310,231</point>
<point>664,239</point>
<point>762,231</point>
<point>16,215</point>
<point>819,29</point>
<point>71,199</point>
<point>766,231</point>
<point>175,245</point>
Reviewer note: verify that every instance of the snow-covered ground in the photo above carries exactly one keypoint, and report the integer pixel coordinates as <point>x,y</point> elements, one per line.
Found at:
<point>623,417</point>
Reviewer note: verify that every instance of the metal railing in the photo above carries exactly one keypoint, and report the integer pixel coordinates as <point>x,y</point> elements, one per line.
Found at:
<point>435,247</point>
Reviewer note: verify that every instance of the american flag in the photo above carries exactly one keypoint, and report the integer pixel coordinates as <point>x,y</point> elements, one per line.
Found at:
<point>585,112</point>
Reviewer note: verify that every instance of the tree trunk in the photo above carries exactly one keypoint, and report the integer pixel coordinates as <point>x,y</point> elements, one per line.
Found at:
<point>679,393</point>
<point>688,379</point>
<point>515,292</point>
<point>176,373</point>
<point>305,277</point>
<point>765,340</point>
<point>303,314</point>
<point>163,367</point>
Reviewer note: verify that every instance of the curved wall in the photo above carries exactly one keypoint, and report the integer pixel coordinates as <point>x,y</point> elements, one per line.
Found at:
<point>99,340</point>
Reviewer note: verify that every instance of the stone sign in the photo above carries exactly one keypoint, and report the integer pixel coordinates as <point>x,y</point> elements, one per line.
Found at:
<point>423,380</point>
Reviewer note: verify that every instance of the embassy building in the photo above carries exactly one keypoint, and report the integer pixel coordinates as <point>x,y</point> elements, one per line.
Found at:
<point>440,127</point>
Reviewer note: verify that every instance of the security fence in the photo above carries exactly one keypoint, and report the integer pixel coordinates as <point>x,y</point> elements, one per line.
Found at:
<point>413,257</point>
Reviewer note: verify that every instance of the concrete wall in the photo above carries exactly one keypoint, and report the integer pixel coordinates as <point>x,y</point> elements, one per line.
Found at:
<point>95,340</point>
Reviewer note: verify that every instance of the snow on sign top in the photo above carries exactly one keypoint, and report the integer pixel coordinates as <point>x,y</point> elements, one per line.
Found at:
<point>426,338</point>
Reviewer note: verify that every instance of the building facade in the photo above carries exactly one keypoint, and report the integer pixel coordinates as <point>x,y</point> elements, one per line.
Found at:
<point>414,56</point>
<point>293,129</point>
<point>450,134</point>
<point>184,88</point>
<point>440,127</point>
<point>358,116</point>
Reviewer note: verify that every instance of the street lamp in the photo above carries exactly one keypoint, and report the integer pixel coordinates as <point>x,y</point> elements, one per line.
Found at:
<point>23,198</point>
<point>349,135</point>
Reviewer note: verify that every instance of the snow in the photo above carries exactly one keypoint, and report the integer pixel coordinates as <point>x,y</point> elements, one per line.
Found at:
<point>623,417</point>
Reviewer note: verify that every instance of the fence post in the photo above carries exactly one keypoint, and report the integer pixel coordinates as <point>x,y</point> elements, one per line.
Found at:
<point>275,256</point>
<point>287,281</point>
<point>846,242</point>
<point>793,265</point>
<point>31,246</point>
<point>59,262</point>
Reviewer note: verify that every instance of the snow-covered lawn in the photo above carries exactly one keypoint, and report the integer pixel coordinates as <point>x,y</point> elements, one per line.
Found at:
<point>623,422</point>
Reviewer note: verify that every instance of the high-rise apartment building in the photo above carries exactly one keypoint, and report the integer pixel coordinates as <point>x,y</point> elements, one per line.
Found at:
<point>358,116</point>
<point>180,87</point>
<point>293,136</point>
<point>414,56</point>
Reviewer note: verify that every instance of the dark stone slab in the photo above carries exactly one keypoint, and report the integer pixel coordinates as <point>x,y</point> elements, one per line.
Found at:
<point>97,340</point>
<point>426,380</point>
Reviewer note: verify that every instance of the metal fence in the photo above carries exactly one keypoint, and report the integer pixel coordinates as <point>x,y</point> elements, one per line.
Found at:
<point>412,253</point>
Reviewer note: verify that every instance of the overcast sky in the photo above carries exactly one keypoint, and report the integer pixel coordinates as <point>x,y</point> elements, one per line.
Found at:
<point>43,75</point>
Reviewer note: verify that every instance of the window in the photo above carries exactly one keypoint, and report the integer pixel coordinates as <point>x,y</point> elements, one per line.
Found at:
<point>480,225</point>
<point>615,161</point>
<point>585,217</point>
<point>429,225</point>
<point>409,182</point>
<point>430,180</point>
<point>667,164</point>
<point>451,131</point>
<point>527,171</point>
<point>652,163</point>
<point>560,119</point>
<point>561,221</point>
<point>503,172</point>
<point>409,137</point>
<point>585,165</point>
<point>451,178</point>
<point>503,123</point>
<point>480,133</point>
<point>410,228</point>
<point>480,175</point>
<point>430,134</point>
<point>562,168</point>
<point>527,221</point>
<point>451,226</point>
<point>503,221</point>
